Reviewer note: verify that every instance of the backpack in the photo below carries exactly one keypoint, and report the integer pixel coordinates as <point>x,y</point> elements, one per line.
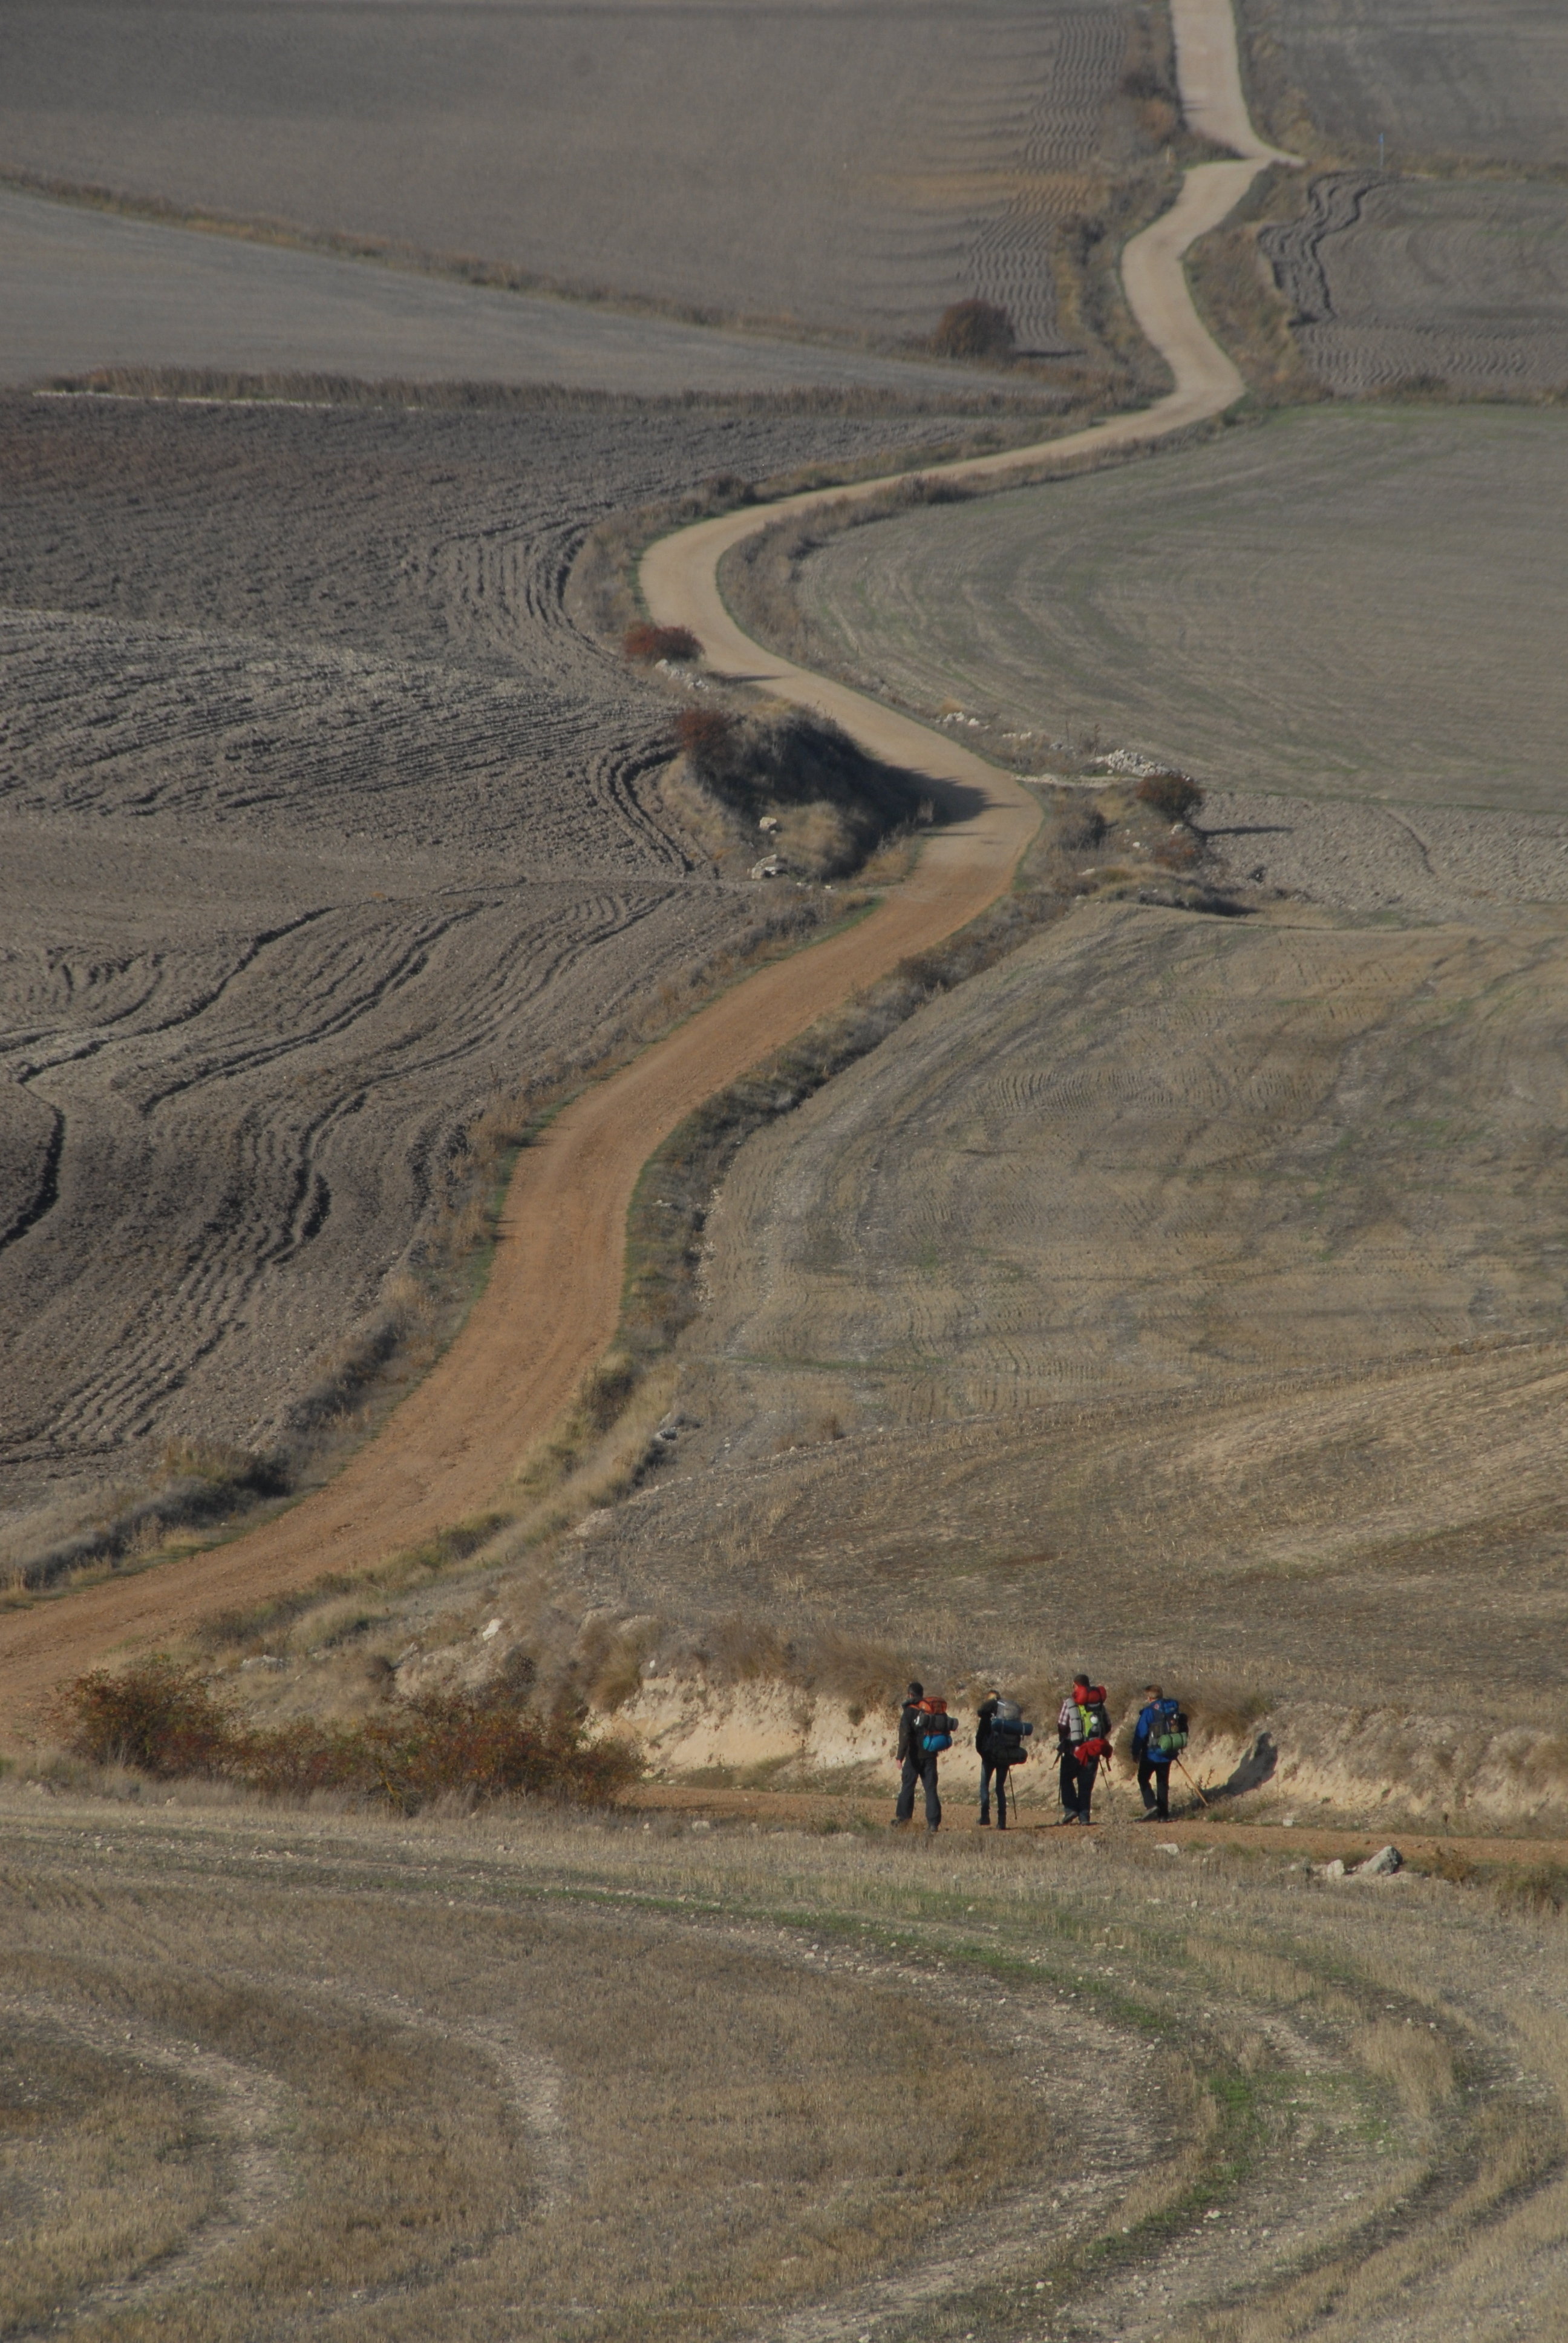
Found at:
<point>933,1726</point>
<point>1168,1732</point>
<point>1096,1717</point>
<point>1005,1736</point>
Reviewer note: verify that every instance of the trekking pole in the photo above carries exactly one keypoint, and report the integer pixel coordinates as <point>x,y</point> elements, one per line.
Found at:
<point>1203,1801</point>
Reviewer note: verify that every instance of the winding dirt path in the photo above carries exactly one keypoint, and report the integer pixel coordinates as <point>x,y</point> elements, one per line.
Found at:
<point>552,1301</point>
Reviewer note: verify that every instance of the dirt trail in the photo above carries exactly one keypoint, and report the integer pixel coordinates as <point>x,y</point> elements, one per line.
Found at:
<point>552,1300</point>
<point>1036,1825</point>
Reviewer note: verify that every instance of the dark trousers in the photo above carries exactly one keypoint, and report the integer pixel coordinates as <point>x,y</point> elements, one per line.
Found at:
<point>1077,1784</point>
<point>920,1769</point>
<point>1154,1782</point>
<point>990,1766</point>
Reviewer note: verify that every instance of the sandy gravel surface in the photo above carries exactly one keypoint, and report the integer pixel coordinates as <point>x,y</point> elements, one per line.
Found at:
<point>322,824</point>
<point>82,289</point>
<point>858,167</point>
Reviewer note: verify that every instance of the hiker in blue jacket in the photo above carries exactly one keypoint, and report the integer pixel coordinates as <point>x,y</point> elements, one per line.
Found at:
<point>1160,1731</point>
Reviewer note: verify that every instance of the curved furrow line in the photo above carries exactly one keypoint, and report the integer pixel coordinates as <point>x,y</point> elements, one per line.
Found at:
<point>553,1297</point>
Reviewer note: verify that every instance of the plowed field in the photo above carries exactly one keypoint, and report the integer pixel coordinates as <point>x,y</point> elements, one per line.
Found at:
<point>1454,279</point>
<point>322,825</point>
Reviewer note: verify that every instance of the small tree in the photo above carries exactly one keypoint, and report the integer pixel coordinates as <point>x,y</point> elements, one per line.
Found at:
<point>974,329</point>
<point>1172,794</point>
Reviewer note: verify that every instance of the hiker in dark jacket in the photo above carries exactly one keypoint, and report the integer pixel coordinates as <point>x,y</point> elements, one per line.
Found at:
<point>919,1763</point>
<point>1083,1739</point>
<point>995,1756</point>
<point>1159,1720</point>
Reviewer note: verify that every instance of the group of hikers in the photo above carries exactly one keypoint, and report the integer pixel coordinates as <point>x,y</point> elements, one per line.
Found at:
<point>1083,1745</point>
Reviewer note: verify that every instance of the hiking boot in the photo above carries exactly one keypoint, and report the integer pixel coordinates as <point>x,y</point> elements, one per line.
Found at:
<point>984,1823</point>
<point>1152,1815</point>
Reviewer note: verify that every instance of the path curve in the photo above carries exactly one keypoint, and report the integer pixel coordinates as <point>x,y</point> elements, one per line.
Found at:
<point>552,1301</point>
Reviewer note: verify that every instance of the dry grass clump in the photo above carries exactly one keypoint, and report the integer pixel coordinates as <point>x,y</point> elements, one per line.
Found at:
<point>646,643</point>
<point>160,1719</point>
<point>1175,795</point>
<point>974,329</point>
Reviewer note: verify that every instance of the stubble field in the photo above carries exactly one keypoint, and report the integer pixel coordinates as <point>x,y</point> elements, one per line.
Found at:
<point>1355,606</point>
<point>855,169</point>
<point>82,288</point>
<point>325,827</point>
<point>618,2080</point>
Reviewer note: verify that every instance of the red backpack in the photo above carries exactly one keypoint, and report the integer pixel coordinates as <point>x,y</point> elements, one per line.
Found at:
<point>934,1726</point>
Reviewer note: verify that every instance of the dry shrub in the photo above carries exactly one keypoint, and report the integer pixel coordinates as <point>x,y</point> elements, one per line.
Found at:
<point>646,643</point>
<point>1174,795</point>
<point>974,329</point>
<point>1175,854</point>
<point>1543,1889</point>
<point>161,1719</point>
<point>706,736</point>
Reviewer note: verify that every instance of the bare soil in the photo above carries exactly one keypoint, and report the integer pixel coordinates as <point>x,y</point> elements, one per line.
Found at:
<point>1448,285</point>
<point>325,827</point>
<point>856,171</point>
<point>1472,81</point>
<point>82,289</point>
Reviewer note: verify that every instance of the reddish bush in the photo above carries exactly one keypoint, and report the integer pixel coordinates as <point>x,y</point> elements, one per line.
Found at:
<point>161,1719</point>
<point>1172,794</point>
<point>158,1717</point>
<point>974,329</point>
<point>706,736</point>
<point>646,643</point>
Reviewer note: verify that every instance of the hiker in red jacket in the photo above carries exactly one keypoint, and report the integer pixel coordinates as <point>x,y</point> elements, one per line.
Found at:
<point>1083,1739</point>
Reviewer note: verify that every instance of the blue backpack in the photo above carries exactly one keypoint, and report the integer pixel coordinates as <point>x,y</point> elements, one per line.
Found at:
<point>936,1728</point>
<point>1167,1730</point>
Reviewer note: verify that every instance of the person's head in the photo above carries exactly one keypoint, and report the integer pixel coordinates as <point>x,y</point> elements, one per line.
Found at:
<point>917,1691</point>
<point>1079,1686</point>
<point>1152,1692</point>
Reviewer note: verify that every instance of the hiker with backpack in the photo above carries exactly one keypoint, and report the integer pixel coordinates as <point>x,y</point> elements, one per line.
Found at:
<point>999,1739</point>
<point>1083,1739</point>
<point>1159,1738</point>
<point>925,1731</point>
